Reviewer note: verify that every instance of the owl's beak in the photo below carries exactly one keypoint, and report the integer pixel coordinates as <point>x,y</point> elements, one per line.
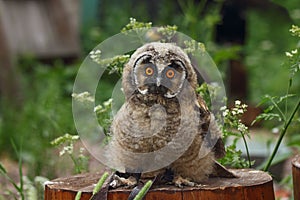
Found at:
<point>158,82</point>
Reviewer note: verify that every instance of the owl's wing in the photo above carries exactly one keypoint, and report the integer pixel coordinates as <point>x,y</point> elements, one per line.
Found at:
<point>210,130</point>
<point>213,139</point>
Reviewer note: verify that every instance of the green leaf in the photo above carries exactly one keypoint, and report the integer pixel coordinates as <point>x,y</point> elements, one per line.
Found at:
<point>285,97</point>
<point>268,116</point>
<point>78,195</point>
<point>2,169</point>
<point>100,183</point>
<point>143,191</point>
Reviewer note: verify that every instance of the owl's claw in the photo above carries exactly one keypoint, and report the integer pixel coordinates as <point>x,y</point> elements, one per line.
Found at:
<point>120,181</point>
<point>180,182</point>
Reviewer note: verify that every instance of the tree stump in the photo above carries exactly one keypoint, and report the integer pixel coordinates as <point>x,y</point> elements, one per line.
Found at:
<point>296,177</point>
<point>250,184</point>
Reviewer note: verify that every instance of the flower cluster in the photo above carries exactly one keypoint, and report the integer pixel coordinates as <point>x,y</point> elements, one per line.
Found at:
<point>294,55</point>
<point>67,143</point>
<point>233,126</point>
<point>232,115</point>
<point>295,30</point>
<point>193,46</point>
<point>103,108</point>
<point>84,97</point>
<point>166,33</point>
<point>115,64</point>
<point>133,24</point>
<point>65,139</point>
<point>95,55</point>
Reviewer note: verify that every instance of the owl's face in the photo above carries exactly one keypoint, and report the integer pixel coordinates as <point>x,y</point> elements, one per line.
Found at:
<point>158,68</point>
<point>153,75</point>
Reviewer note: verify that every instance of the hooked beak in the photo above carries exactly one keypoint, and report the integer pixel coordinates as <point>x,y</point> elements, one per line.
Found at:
<point>158,82</point>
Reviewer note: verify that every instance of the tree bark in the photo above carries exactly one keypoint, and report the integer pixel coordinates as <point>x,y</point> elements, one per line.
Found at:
<point>250,184</point>
<point>296,177</point>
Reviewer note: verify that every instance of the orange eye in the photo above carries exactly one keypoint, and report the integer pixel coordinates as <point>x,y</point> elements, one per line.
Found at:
<point>149,71</point>
<point>170,73</point>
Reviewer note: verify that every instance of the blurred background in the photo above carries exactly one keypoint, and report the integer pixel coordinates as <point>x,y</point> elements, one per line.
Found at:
<point>44,42</point>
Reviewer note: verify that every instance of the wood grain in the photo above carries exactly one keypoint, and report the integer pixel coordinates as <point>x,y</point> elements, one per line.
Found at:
<point>250,184</point>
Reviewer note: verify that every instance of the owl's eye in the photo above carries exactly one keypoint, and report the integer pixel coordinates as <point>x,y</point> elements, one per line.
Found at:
<point>149,71</point>
<point>170,73</point>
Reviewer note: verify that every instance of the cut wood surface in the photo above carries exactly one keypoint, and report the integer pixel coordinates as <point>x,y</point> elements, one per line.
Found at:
<point>250,185</point>
<point>296,177</point>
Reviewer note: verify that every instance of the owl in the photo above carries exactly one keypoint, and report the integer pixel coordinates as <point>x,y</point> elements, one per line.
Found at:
<point>164,124</point>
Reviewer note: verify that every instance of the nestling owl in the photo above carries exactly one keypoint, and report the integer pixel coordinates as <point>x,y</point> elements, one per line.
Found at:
<point>164,123</point>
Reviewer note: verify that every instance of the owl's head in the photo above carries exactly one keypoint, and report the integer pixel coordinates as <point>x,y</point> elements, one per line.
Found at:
<point>158,68</point>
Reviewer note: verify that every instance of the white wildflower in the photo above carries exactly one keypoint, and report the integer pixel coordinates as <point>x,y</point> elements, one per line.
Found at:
<point>244,106</point>
<point>108,102</point>
<point>237,102</point>
<point>233,112</point>
<point>295,51</point>
<point>225,113</point>
<point>83,97</point>
<point>93,56</point>
<point>240,111</point>
<point>288,54</point>
<point>69,149</point>
<point>66,149</point>
<point>242,128</point>
<point>98,108</point>
<point>223,108</point>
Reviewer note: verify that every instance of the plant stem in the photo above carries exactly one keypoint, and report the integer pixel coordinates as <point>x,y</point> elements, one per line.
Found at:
<point>287,92</point>
<point>247,150</point>
<point>279,110</point>
<point>282,134</point>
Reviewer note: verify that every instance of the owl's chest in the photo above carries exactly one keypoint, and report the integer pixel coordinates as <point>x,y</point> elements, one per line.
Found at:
<point>147,126</point>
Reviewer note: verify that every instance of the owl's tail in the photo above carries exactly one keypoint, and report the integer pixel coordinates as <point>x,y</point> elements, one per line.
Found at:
<point>220,171</point>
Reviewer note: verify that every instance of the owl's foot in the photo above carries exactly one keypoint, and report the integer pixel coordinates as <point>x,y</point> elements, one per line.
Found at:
<point>180,182</point>
<point>120,181</point>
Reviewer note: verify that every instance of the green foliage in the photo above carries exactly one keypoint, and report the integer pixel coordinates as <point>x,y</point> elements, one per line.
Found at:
<point>18,187</point>
<point>278,106</point>
<point>44,113</point>
<point>292,7</point>
<point>201,30</point>
<point>234,157</point>
<point>24,187</point>
<point>264,53</point>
